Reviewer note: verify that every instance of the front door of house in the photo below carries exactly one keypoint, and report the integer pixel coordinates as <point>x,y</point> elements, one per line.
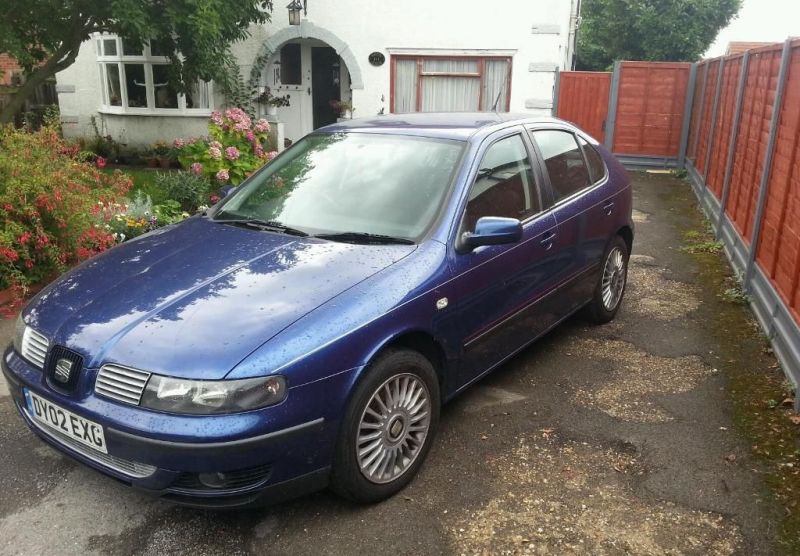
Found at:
<point>325,84</point>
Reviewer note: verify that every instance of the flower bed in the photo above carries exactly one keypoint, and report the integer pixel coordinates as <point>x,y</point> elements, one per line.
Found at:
<point>47,207</point>
<point>58,208</point>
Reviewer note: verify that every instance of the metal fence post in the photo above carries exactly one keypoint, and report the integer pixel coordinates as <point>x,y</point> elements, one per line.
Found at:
<point>737,116</point>
<point>777,106</point>
<point>556,92</point>
<point>613,97</point>
<point>714,110</point>
<point>687,116</point>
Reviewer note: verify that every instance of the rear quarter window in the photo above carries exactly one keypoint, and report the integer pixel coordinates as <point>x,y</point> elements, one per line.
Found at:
<point>597,168</point>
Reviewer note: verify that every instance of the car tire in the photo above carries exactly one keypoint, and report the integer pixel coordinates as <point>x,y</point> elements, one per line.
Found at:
<point>611,285</point>
<point>388,427</point>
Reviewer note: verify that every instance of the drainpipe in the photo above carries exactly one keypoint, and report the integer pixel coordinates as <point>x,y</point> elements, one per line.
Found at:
<point>572,37</point>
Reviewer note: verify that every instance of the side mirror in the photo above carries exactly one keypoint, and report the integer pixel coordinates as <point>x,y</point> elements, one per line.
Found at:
<point>493,230</point>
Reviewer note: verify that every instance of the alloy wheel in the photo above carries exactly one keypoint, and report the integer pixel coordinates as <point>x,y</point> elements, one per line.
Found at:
<point>613,279</point>
<point>393,428</point>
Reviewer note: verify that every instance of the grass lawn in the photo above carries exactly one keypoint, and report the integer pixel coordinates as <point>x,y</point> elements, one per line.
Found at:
<point>143,180</point>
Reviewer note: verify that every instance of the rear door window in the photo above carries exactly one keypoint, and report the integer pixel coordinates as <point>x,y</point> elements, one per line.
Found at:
<point>563,161</point>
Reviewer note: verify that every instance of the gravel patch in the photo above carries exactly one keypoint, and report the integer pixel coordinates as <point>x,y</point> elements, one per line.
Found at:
<point>574,498</point>
<point>640,216</point>
<point>637,377</point>
<point>651,293</point>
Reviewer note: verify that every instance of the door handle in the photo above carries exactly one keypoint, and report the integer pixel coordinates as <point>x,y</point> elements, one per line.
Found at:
<point>547,240</point>
<point>608,208</point>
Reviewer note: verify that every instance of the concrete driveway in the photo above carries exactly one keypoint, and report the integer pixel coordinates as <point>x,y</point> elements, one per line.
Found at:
<point>603,440</point>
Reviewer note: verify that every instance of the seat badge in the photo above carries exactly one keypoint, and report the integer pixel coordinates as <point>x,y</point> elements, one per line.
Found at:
<point>63,370</point>
<point>441,303</point>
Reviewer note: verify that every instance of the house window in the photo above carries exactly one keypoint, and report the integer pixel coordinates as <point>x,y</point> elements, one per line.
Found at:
<point>450,84</point>
<point>135,80</point>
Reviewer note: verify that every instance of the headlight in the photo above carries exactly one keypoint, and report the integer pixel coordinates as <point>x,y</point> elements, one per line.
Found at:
<point>19,332</point>
<point>205,397</point>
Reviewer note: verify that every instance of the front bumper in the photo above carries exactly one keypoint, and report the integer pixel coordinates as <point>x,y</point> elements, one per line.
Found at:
<point>260,466</point>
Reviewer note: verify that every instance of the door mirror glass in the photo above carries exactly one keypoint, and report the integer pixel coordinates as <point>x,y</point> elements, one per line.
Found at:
<point>493,230</point>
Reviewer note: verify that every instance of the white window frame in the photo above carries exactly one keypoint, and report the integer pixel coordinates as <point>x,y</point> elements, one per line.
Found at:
<point>147,60</point>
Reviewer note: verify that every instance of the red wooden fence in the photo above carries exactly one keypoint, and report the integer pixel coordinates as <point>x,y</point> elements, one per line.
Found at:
<point>743,148</point>
<point>778,252</point>
<point>650,104</point>
<point>583,100</point>
<point>650,108</point>
<point>715,174</point>
<point>753,175</point>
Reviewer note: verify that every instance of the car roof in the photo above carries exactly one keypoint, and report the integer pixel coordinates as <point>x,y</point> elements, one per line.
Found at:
<point>445,125</point>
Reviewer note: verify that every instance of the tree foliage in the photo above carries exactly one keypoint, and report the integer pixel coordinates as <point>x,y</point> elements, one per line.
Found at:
<point>652,30</point>
<point>45,35</point>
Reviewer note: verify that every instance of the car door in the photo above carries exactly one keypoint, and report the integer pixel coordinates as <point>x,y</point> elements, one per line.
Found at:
<point>495,287</point>
<point>583,210</point>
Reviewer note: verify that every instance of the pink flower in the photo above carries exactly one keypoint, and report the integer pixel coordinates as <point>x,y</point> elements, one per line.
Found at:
<point>215,144</point>
<point>272,154</point>
<point>215,153</point>
<point>214,199</point>
<point>223,175</point>
<point>258,150</point>
<point>231,153</point>
<point>250,136</point>
<point>241,121</point>
<point>216,117</point>
<point>197,168</point>
<point>262,126</point>
<point>100,162</point>
<point>179,143</point>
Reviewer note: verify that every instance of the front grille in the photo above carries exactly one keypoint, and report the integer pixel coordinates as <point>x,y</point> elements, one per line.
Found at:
<point>234,480</point>
<point>34,347</point>
<point>121,383</point>
<point>132,469</point>
<point>72,363</point>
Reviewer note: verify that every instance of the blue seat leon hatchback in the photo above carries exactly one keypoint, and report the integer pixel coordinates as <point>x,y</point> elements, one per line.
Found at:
<point>306,330</point>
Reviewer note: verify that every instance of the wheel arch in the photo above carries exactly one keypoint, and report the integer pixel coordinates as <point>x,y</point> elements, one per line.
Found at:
<point>626,233</point>
<point>421,341</point>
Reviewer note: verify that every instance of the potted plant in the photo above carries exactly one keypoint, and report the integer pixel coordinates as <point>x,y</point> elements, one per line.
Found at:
<point>343,108</point>
<point>271,101</point>
<point>149,157</point>
<point>163,154</point>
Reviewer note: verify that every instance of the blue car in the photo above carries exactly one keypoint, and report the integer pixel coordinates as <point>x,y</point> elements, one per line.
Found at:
<point>306,330</point>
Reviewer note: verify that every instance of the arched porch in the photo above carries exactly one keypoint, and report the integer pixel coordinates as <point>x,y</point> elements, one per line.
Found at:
<point>311,67</point>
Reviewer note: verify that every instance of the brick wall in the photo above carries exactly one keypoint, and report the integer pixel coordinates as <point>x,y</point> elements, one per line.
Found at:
<point>8,67</point>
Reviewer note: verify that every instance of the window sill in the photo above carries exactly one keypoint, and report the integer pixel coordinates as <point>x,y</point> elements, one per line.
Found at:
<point>155,112</point>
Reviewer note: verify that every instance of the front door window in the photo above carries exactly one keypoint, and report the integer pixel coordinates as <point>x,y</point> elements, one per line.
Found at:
<point>504,185</point>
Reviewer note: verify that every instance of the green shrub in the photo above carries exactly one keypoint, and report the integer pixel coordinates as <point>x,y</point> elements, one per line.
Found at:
<point>188,189</point>
<point>49,200</point>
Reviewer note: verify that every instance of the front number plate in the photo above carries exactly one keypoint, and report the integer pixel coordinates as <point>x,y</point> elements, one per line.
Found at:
<point>57,418</point>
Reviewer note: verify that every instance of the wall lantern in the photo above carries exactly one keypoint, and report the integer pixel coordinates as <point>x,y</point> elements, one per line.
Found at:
<point>294,11</point>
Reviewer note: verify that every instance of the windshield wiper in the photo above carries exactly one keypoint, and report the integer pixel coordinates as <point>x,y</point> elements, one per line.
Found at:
<point>268,225</point>
<point>364,237</point>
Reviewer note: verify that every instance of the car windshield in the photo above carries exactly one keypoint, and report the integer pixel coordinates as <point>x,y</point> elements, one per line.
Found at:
<point>351,183</point>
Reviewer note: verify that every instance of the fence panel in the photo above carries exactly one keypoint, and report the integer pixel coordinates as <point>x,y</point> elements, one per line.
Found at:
<point>583,100</point>
<point>650,108</point>
<point>715,174</point>
<point>707,114</point>
<point>778,253</point>
<point>752,137</point>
